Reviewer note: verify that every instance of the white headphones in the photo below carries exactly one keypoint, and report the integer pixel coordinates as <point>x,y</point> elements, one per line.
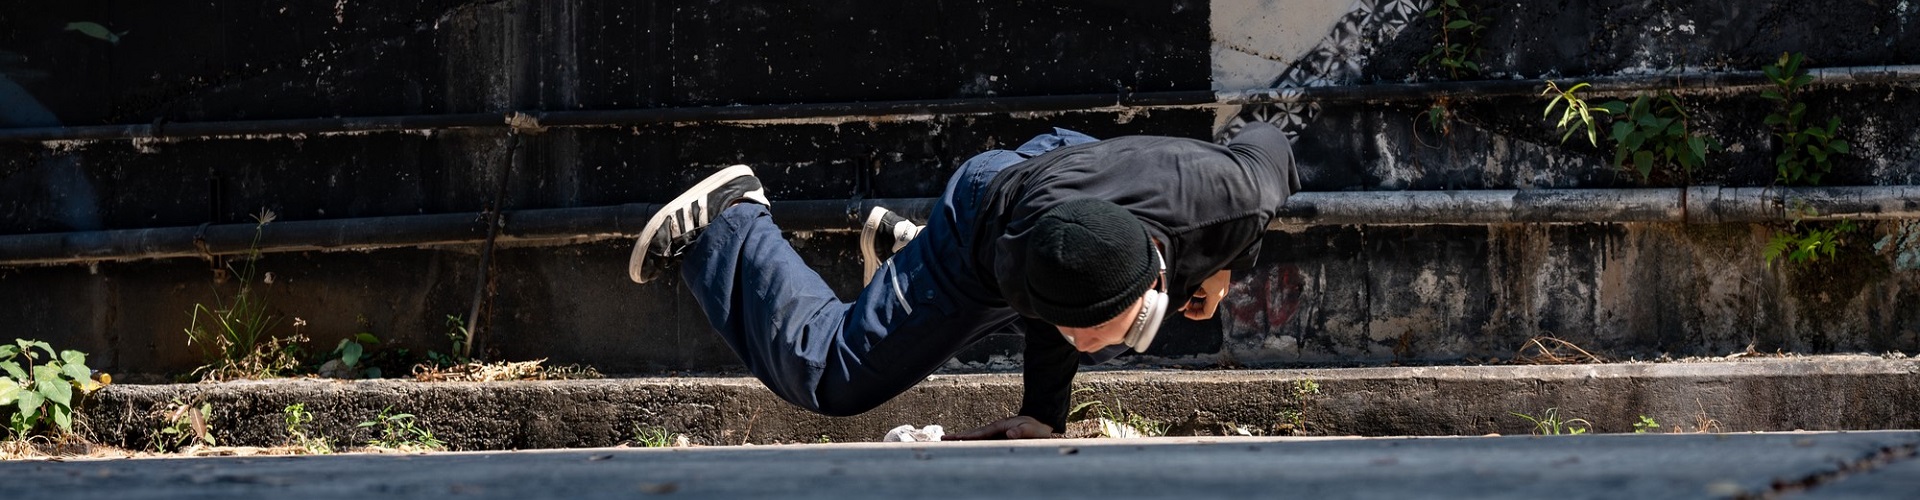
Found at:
<point>1153,310</point>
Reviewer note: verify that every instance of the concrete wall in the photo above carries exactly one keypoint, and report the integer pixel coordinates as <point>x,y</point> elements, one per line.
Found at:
<point>1323,295</point>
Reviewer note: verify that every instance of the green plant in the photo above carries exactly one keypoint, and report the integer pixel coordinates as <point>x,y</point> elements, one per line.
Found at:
<point>1114,420</point>
<point>1305,391</point>
<point>351,351</point>
<point>297,419</point>
<point>653,436</point>
<point>399,431</point>
<point>1806,152</point>
<point>1645,425</point>
<point>1458,42</point>
<point>185,424</point>
<point>1550,423</point>
<point>233,332</point>
<point>41,388</point>
<point>1808,243</point>
<point>1653,132</point>
<point>456,333</point>
<point>1576,107</point>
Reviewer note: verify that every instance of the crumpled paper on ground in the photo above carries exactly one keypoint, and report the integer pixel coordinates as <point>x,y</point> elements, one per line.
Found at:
<point>908,434</point>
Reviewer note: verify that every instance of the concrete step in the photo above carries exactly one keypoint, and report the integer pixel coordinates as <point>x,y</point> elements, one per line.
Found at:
<point>1764,394</point>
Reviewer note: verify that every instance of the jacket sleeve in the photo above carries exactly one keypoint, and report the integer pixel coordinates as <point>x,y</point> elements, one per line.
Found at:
<point>1050,366</point>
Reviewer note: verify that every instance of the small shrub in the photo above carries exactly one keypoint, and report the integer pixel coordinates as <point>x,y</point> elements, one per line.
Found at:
<point>1652,134</point>
<point>41,388</point>
<point>1806,152</point>
<point>1458,42</point>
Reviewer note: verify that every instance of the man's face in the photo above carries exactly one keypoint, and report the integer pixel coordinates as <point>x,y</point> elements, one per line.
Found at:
<point>1113,331</point>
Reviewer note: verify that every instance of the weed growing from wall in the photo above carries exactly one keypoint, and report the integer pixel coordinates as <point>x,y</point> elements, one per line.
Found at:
<point>233,333</point>
<point>186,425</point>
<point>1458,42</point>
<point>1805,152</point>
<point>1551,424</point>
<point>1115,420</point>
<point>1653,134</point>
<point>400,431</point>
<point>1576,107</point>
<point>297,419</point>
<point>1645,425</point>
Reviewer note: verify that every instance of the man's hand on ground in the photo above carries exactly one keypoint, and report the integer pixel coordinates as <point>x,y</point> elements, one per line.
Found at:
<point>1009,428</point>
<point>1207,298</point>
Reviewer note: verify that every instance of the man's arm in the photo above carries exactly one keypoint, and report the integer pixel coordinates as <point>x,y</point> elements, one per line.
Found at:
<point>1051,363</point>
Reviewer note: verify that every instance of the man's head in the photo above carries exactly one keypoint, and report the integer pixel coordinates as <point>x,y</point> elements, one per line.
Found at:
<point>1090,263</point>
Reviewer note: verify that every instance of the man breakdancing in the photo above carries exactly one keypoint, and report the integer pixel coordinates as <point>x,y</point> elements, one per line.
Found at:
<point>1077,243</point>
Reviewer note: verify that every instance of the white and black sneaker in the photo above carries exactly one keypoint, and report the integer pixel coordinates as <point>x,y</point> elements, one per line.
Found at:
<point>672,228</point>
<point>883,234</point>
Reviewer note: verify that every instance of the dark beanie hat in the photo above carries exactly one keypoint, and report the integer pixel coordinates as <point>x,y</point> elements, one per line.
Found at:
<point>1087,260</point>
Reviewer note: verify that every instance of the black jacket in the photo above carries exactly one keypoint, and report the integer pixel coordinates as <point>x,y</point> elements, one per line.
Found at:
<point>1207,205</point>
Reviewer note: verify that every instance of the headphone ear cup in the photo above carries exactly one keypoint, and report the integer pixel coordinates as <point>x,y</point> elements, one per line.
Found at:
<point>1153,310</point>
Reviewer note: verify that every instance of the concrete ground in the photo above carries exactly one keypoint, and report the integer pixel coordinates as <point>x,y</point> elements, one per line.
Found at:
<point>1813,465</point>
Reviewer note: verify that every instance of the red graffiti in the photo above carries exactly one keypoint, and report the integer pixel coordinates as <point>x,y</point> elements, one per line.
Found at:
<point>1266,299</point>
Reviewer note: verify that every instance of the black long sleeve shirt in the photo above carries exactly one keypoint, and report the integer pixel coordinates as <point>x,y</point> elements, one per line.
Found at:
<point>1207,205</point>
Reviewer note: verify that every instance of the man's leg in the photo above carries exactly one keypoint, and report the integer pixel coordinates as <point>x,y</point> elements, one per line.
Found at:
<point>810,348</point>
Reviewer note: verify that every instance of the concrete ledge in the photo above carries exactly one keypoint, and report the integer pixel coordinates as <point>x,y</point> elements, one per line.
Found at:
<point>1775,394</point>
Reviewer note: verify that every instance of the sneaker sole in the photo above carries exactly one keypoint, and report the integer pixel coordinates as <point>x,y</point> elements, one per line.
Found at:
<point>869,261</point>
<point>637,264</point>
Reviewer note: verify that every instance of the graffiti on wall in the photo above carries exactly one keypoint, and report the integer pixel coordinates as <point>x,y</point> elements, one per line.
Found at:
<point>1337,60</point>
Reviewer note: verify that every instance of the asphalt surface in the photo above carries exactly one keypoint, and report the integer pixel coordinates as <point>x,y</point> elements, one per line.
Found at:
<point>1820,465</point>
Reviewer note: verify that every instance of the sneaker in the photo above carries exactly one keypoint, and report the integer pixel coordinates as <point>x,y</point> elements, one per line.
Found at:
<point>883,234</point>
<point>672,228</point>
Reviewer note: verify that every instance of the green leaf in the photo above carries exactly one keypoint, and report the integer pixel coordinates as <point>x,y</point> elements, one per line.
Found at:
<point>366,338</point>
<point>1620,131</point>
<point>1633,141</point>
<point>73,357</point>
<point>48,383</point>
<point>1773,120</point>
<point>63,417</point>
<point>79,374</point>
<point>44,347</point>
<point>13,370</point>
<point>1840,146</point>
<point>9,350</point>
<point>9,391</point>
<point>350,354</point>
<point>1802,80</point>
<point>94,30</point>
<point>29,402</point>
<point>1614,107</point>
<point>1462,23</point>
<point>1643,162</point>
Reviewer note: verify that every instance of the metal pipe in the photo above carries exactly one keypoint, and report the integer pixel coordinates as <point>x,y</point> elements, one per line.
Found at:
<point>538,120</point>
<point>557,226</point>
<point>560,226</point>
<point>1699,204</point>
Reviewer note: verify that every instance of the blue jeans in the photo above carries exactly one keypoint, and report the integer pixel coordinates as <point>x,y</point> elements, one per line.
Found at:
<point>923,306</point>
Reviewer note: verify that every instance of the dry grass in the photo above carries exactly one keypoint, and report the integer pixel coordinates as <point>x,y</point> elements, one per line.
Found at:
<point>503,371</point>
<point>1552,351</point>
